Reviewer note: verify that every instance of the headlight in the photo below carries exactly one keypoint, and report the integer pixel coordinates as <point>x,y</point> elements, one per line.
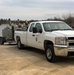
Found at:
<point>60,41</point>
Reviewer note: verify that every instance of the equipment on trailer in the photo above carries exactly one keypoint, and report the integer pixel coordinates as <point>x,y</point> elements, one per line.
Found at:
<point>7,33</point>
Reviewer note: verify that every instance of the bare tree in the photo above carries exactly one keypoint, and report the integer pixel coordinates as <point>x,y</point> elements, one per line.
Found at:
<point>68,19</point>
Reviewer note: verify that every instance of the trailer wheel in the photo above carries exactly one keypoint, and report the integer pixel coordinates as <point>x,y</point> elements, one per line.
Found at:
<point>19,44</point>
<point>1,41</point>
<point>49,53</point>
<point>9,42</point>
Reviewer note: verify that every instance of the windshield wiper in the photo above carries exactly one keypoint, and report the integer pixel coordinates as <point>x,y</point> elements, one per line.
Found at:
<point>55,29</point>
<point>67,29</point>
<point>51,30</point>
<point>63,29</point>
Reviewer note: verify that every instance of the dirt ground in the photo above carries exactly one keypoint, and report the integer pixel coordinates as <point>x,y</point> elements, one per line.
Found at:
<point>31,61</point>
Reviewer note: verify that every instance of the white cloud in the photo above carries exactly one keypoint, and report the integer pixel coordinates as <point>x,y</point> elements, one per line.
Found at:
<point>35,9</point>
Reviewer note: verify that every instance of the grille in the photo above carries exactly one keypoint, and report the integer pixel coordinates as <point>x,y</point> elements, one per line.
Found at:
<point>71,44</point>
<point>70,38</point>
<point>71,41</point>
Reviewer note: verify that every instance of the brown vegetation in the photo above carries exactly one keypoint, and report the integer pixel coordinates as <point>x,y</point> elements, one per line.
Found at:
<point>69,19</point>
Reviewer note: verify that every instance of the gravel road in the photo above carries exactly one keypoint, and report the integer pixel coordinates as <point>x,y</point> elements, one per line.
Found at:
<point>31,61</point>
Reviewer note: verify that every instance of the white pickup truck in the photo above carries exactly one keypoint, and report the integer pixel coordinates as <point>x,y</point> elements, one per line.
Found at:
<point>56,38</point>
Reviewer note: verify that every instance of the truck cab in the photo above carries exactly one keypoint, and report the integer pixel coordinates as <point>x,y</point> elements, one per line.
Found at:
<point>56,38</point>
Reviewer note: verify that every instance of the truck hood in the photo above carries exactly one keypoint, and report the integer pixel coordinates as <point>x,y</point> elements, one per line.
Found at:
<point>66,33</point>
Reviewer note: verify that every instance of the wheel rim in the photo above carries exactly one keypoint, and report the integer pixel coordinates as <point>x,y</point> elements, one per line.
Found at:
<point>18,44</point>
<point>49,54</point>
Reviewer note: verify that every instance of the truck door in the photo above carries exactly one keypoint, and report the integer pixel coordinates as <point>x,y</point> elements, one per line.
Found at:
<point>31,36</point>
<point>39,36</point>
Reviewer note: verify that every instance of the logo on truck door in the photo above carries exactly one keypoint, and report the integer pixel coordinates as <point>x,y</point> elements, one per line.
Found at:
<point>36,39</point>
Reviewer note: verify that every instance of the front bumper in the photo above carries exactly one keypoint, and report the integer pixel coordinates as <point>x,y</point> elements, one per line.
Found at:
<point>61,50</point>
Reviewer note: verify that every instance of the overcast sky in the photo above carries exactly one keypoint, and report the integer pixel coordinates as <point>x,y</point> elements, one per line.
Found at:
<point>35,9</point>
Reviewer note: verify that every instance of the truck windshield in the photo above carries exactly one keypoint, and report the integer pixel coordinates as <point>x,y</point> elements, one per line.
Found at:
<point>52,26</point>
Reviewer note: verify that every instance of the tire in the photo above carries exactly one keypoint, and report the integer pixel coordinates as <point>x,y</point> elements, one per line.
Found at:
<point>10,43</point>
<point>19,44</point>
<point>1,41</point>
<point>49,53</point>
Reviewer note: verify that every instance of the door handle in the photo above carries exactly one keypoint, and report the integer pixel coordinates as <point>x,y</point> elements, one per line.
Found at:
<point>33,35</point>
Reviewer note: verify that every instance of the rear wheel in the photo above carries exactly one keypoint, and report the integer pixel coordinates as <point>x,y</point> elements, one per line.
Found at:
<point>10,42</point>
<point>50,55</point>
<point>19,44</point>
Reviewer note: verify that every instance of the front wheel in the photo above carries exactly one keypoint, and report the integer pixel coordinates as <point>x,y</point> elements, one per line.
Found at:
<point>49,53</point>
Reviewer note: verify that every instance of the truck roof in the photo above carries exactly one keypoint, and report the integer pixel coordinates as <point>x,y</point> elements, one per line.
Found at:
<point>45,21</point>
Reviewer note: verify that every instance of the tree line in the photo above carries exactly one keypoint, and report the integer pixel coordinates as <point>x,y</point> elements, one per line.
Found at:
<point>69,19</point>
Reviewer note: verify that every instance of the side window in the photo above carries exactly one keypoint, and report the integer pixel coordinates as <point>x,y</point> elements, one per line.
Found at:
<point>38,26</point>
<point>31,27</point>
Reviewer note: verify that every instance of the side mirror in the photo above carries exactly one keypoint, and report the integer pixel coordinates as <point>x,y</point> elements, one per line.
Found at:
<point>34,30</point>
<point>40,31</point>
